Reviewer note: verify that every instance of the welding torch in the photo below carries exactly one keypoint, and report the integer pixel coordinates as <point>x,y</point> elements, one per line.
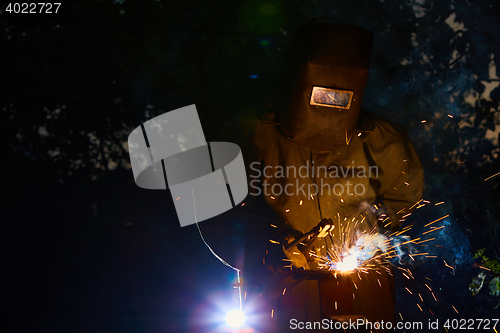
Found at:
<point>308,239</point>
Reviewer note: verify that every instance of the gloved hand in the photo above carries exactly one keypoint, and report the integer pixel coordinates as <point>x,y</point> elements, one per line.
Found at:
<point>299,246</point>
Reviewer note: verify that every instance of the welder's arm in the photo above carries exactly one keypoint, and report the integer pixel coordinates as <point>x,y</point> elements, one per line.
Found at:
<point>403,181</point>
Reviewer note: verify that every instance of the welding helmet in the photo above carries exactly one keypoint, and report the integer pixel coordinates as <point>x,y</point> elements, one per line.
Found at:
<point>318,100</point>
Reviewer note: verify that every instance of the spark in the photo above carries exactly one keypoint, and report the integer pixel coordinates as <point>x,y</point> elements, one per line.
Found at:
<point>419,307</point>
<point>416,204</point>
<point>446,264</point>
<point>450,116</point>
<point>496,174</point>
<point>272,313</point>
<point>454,309</point>
<point>273,198</point>
<point>347,140</point>
<point>432,230</point>
<point>243,204</point>
<point>426,240</point>
<point>284,290</point>
<point>409,290</point>
<point>177,198</point>
<point>286,211</point>
<point>423,121</point>
<point>273,241</point>
<point>439,203</point>
<point>300,203</point>
<point>439,219</point>
<point>272,225</point>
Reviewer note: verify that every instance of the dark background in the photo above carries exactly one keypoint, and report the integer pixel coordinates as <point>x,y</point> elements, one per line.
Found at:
<point>84,249</point>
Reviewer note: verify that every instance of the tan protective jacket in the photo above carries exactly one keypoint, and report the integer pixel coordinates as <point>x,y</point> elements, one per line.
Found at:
<point>372,182</point>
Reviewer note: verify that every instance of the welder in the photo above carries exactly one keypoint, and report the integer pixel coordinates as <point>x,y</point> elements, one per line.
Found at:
<point>326,159</point>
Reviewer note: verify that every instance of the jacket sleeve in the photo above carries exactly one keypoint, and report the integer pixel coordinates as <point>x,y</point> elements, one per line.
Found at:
<point>402,182</point>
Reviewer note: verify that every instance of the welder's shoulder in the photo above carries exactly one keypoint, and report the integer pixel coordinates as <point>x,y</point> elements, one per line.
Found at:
<point>381,129</point>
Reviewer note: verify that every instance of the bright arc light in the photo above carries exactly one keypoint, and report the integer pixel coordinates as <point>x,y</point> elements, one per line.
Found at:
<point>235,318</point>
<point>349,263</point>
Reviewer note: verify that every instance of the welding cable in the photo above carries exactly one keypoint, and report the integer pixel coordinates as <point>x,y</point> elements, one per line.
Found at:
<point>213,252</point>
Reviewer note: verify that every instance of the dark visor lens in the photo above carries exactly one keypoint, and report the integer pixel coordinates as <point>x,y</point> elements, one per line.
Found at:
<point>331,97</point>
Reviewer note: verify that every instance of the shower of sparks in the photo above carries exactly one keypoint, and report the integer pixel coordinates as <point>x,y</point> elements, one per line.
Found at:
<point>352,251</point>
<point>372,251</point>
